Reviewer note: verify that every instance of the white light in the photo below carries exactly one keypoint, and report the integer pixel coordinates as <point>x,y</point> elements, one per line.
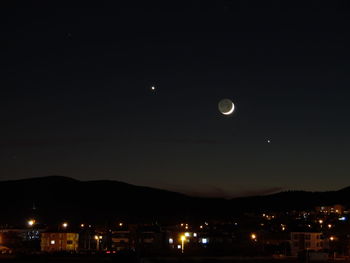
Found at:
<point>179,246</point>
<point>187,234</point>
<point>52,242</point>
<point>343,218</point>
<point>204,240</point>
<point>194,234</point>
<point>171,241</point>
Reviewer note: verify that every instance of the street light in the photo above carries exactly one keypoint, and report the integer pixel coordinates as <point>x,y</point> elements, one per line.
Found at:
<point>98,241</point>
<point>183,238</point>
<point>253,236</point>
<point>31,222</point>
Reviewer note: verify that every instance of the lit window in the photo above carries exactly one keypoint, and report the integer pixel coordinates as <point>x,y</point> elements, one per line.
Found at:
<point>52,242</point>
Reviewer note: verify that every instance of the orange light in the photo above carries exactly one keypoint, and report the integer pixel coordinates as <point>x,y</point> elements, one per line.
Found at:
<point>31,222</point>
<point>253,236</point>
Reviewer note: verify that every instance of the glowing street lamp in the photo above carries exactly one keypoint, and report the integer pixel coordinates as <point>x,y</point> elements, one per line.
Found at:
<point>31,222</point>
<point>253,236</point>
<point>98,241</point>
<point>183,238</point>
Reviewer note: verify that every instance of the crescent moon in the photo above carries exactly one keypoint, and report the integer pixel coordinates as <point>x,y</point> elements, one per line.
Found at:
<point>231,110</point>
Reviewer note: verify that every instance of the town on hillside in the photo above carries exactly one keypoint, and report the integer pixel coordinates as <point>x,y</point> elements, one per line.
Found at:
<point>322,233</point>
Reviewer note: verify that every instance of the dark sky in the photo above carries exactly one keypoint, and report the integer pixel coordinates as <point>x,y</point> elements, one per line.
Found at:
<point>76,98</point>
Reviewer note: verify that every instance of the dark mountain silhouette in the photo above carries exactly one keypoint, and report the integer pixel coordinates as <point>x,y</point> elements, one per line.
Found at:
<point>58,198</point>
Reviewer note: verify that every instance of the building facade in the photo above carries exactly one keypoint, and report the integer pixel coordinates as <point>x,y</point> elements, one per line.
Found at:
<point>55,242</point>
<point>307,241</point>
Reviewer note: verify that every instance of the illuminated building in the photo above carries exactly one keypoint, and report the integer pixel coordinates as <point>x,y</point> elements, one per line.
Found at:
<point>54,242</point>
<point>301,241</point>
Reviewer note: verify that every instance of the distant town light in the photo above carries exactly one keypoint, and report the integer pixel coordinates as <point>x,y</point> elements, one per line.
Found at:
<point>120,224</point>
<point>331,238</point>
<point>52,242</point>
<point>179,246</point>
<point>320,221</point>
<point>183,238</point>
<point>194,234</point>
<point>65,225</point>
<point>96,237</point>
<point>171,241</point>
<point>204,241</point>
<point>82,225</point>
<point>200,227</point>
<point>31,222</point>
<point>187,234</point>
<point>253,236</point>
<point>329,226</point>
<point>343,218</point>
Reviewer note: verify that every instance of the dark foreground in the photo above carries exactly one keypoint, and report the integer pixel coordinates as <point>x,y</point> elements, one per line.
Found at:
<point>134,259</point>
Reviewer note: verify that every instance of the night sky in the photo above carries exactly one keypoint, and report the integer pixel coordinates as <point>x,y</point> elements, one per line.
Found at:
<point>76,97</point>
